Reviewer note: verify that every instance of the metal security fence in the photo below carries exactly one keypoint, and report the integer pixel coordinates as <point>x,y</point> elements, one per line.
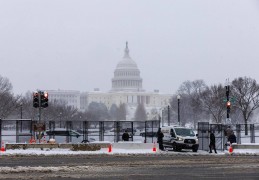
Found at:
<point>15,130</point>
<point>219,130</point>
<point>22,130</point>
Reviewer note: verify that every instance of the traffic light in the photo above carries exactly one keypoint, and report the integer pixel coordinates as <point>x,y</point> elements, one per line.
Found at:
<point>228,104</point>
<point>227,91</point>
<point>44,99</point>
<point>228,108</point>
<point>36,99</point>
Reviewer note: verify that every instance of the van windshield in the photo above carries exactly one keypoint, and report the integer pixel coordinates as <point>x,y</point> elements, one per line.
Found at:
<point>184,132</point>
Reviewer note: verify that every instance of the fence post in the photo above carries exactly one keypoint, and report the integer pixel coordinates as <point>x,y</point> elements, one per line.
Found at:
<point>0,131</point>
<point>117,131</point>
<point>69,128</point>
<point>132,130</point>
<point>52,127</point>
<point>101,131</point>
<point>238,131</point>
<point>85,131</point>
<point>252,133</point>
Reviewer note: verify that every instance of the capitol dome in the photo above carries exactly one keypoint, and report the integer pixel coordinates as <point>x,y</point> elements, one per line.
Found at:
<point>127,75</point>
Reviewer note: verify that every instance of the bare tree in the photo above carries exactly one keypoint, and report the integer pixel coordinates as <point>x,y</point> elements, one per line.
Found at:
<point>97,112</point>
<point>211,100</point>
<point>246,92</point>
<point>190,108</point>
<point>113,111</point>
<point>8,102</point>
<point>140,113</point>
<point>121,112</point>
<point>29,112</point>
<point>154,114</point>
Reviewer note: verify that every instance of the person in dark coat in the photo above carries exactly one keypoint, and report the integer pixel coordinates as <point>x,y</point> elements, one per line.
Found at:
<point>125,136</point>
<point>232,138</point>
<point>160,136</point>
<point>229,131</point>
<point>212,142</point>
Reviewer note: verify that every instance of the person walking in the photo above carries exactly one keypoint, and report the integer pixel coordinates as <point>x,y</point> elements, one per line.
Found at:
<point>232,138</point>
<point>160,136</point>
<point>125,136</point>
<point>228,133</point>
<point>212,142</point>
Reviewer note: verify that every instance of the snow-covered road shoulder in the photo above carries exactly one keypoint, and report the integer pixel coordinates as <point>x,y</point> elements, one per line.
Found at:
<point>47,152</point>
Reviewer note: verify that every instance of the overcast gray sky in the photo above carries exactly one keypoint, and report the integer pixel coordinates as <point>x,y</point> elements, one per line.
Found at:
<point>76,44</point>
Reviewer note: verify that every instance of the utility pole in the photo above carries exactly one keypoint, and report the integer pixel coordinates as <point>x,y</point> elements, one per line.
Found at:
<point>168,111</point>
<point>228,102</point>
<point>178,100</point>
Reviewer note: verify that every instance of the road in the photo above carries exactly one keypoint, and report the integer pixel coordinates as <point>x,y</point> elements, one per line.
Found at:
<point>148,166</point>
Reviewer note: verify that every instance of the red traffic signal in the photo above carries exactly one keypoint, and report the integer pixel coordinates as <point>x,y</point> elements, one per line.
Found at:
<point>44,97</point>
<point>228,104</point>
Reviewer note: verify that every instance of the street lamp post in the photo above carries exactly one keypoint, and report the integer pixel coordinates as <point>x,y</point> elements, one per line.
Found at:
<point>162,118</point>
<point>60,119</point>
<point>168,111</point>
<point>21,115</point>
<point>178,99</point>
<point>21,110</point>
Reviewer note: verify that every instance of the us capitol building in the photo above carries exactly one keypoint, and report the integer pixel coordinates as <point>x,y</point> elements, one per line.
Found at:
<point>126,88</point>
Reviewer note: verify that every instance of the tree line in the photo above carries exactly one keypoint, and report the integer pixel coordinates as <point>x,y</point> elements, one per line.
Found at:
<point>199,102</point>
<point>20,107</point>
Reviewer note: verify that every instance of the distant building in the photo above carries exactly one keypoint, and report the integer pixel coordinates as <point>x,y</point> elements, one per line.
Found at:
<point>126,88</point>
<point>127,75</point>
<point>149,99</point>
<point>68,97</point>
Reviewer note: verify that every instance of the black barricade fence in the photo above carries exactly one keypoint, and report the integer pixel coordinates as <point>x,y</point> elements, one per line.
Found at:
<point>14,131</point>
<point>203,135</point>
<point>220,131</point>
<point>23,130</point>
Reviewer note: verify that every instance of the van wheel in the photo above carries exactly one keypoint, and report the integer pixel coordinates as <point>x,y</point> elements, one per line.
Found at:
<point>175,147</point>
<point>178,149</point>
<point>194,149</point>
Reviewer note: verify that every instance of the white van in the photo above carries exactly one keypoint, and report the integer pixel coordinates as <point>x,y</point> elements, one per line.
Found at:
<point>180,138</point>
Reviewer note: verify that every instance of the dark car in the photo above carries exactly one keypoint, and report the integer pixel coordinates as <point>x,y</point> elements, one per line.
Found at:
<point>63,132</point>
<point>148,134</point>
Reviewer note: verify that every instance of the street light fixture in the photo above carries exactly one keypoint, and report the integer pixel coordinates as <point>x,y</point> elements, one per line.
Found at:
<point>168,111</point>
<point>162,116</point>
<point>60,119</point>
<point>21,109</point>
<point>178,99</point>
<point>21,115</point>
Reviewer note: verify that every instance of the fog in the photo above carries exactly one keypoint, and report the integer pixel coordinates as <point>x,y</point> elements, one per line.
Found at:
<point>76,45</point>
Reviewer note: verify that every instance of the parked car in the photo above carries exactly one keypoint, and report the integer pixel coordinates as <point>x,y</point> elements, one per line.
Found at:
<point>63,132</point>
<point>148,134</point>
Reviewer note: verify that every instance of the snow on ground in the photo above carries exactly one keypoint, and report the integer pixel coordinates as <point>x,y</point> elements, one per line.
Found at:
<point>47,152</point>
